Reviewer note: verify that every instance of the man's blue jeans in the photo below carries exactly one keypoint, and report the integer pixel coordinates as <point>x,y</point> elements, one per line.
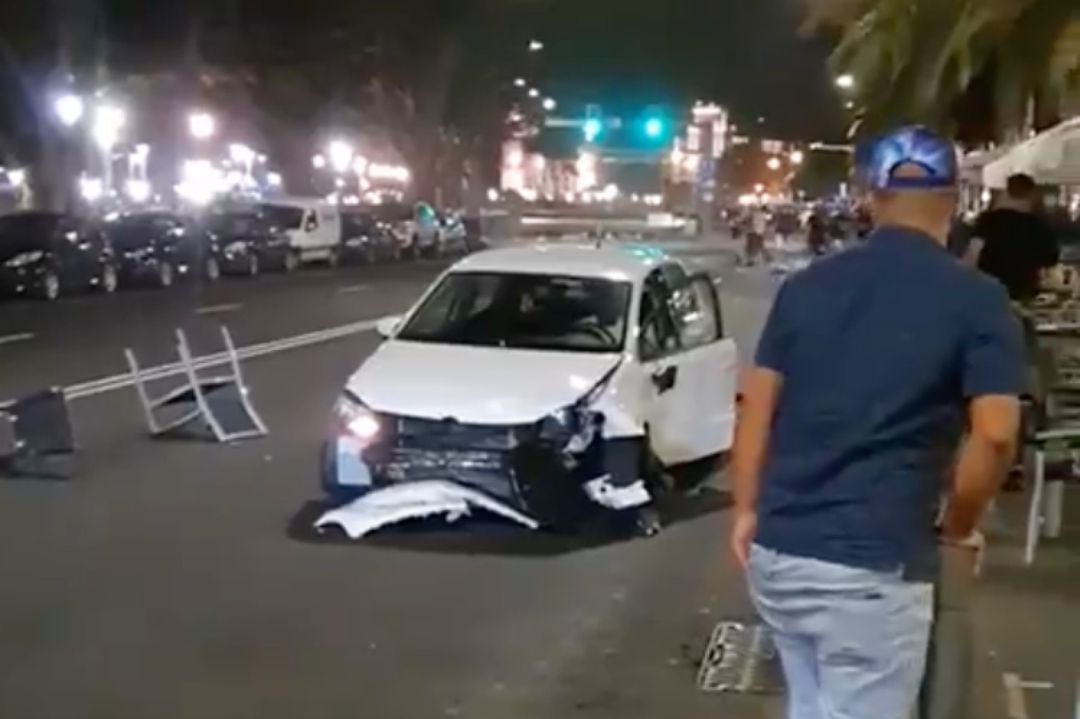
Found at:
<point>853,642</point>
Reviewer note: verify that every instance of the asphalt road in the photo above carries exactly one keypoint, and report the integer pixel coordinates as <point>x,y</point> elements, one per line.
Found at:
<point>161,581</point>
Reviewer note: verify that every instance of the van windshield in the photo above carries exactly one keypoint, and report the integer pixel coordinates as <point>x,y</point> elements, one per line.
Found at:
<point>283,216</point>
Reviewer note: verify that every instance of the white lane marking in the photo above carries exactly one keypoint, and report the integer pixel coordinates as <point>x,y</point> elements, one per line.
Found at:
<point>18,337</point>
<point>350,289</point>
<point>1014,694</point>
<point>218,309</point>
<point>120,381</point>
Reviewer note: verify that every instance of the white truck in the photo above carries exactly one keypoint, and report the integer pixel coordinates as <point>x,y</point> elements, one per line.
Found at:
<point>313,227</point>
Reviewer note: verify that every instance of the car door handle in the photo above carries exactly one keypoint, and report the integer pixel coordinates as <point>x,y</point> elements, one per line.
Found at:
<point>665,379</point>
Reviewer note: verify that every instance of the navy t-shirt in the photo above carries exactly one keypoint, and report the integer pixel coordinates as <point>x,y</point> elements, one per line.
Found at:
<point>880,348</point>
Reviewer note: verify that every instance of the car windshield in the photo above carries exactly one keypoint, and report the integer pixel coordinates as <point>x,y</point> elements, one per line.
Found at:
<point>131,232</point>
<point>24,233</point>
<point>523,311</point>
<point>232,223</point>
<point>283,216</point>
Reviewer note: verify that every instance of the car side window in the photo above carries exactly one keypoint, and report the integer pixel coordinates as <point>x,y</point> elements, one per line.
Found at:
<point>658,334</point>
<point>312,222</point>
<point>697,313</point>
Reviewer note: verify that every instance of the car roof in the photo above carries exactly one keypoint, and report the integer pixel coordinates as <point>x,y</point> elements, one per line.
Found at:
<point>611,260</point>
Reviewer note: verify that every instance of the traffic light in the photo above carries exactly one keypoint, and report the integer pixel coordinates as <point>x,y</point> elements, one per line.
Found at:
<point>654,128</point>
<point>654,124</point>
<point>594,123</point>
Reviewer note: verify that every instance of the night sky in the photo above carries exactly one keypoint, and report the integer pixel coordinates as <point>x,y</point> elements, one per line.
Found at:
<point>743,53</point>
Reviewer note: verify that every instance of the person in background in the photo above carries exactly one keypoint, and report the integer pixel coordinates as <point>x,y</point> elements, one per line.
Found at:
<point>1012,243</point>
<point>755,237</point>
<point>817,238</point>
<point>869,365</point>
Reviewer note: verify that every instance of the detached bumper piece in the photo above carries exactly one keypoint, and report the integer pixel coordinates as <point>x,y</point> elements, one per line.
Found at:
<point>36,439</point>
<point>216,407</point>
<point>556,474</point>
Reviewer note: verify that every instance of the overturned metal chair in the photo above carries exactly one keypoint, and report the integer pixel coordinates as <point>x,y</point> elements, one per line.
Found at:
<point>217,405</point>
<point>36,438</point>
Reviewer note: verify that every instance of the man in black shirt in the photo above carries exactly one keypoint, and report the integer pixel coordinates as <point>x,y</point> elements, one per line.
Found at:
<point>1013,244</point>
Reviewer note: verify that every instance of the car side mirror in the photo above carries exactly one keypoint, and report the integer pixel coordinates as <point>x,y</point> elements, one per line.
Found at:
<point>387,326</point>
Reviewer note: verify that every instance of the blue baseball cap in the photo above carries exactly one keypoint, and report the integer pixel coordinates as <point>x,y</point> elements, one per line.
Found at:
<point>878,159</point>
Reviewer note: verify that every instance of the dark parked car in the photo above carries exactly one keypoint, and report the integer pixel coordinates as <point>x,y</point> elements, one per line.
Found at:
<point>367,239</point>
<point>160,247</point>
<point>46,254</point>
<point>249,243</point>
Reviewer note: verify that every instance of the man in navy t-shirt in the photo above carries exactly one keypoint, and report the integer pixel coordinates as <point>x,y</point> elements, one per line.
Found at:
<point>870,366</point>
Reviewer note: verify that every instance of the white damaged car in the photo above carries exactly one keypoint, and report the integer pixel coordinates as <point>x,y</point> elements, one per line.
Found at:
<point>540,383</point>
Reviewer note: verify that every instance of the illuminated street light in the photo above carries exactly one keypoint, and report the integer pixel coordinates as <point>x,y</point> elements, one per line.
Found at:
<point>202,125</point>
<point>535,46</point>
<point>534,92</point>
<point>797,157</point>
<point>108,122</point>
<point>593,127</point>
<point>550,104</point>
<point>846,82</point>
<point>138,190</point>
<point>341,156</point>
<point>319,162</point>
<point>274,179</point>
<point>520,82</point>
<point>850,104</point>
<point>773,163</point>
<point>16,177</point>
<point>242,155</point>
<point>69,109</point>
<point>360,165</point>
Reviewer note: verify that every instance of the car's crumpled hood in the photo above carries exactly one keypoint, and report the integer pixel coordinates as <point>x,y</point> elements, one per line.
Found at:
<point>415,500</point>
<point>475,385</point>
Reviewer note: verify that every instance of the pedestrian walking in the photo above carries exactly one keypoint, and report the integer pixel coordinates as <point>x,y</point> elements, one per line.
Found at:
<point>1012,243</point>
<point>755,237</point>
<point>869,367</point>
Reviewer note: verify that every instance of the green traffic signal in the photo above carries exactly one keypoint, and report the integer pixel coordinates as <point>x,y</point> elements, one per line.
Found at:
<point>654,128</point>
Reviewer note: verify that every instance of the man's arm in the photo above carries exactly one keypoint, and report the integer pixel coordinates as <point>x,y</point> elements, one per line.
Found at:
<point>760,392</point>
<point>973,251</point>
<point>993,377</point>
<point>761,387</point>
<point>985,458</point>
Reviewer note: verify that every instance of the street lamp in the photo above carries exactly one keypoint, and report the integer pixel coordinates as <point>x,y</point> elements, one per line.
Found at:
<point>773,163</point>
<point>535,46</point>
<point>69,109</point>
<point>534,92</point>
<point>341,155</point>
<point>520,82</point>
<point>797,157</point>
<point>846,81</point>
<point>319,162</point>
<point>550,104</point>
<point>202,125</point>
<point>108,121</point>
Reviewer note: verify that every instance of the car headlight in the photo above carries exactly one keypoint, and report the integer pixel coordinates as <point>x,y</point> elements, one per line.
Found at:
<point>236,248</point>
<point>358,420</point>
<point>25,258</point>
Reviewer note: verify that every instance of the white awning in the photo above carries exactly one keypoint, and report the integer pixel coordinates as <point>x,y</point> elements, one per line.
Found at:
<point>1051,157</point>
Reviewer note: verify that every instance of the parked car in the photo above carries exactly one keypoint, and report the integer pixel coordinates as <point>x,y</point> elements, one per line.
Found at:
<point>365,238</point>
<point>312,225</point>
<point>160,248</point>
<point>400,222</point>
<point>248,242</point>
<point>543,379</point>
<point>47,254</point>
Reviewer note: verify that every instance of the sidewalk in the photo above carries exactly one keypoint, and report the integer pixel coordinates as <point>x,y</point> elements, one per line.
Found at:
<point>1028,618</point>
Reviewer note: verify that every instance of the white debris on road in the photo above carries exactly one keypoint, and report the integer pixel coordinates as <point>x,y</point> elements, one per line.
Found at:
<point>415,500</point>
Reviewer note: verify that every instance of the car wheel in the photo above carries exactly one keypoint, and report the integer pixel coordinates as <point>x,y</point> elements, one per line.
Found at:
<point>292,262</point>
<point>50,286</point>
<point>109,281</point>
<point>253,268</point>
<point>213,269</point>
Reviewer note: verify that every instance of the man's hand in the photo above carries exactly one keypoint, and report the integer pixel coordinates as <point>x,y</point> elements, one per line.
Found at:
<point>743,530</point>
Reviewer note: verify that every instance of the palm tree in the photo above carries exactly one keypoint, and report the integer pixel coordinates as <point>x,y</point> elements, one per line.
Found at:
<point>915,58</point>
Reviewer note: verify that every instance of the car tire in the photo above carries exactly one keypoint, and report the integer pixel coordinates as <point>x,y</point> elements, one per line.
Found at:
<point>212,270</point>
<point>166,275</point>
<point>108,281</point>
<point>292,261</point>
<point>253,268</point>
<point>50,286</point>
